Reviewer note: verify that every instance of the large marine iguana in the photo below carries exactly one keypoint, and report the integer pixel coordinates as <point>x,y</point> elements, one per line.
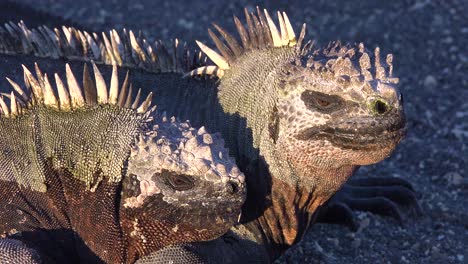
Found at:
<point>95,175</point>
<point>275,91</point>
<point>311,118</point>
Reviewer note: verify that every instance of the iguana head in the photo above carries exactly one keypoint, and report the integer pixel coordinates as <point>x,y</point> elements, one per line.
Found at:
<point>318,110</point>
<point>337,108</point>
<point>185,179</point>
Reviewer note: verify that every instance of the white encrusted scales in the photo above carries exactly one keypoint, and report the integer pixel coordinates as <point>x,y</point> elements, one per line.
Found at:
<point>178,147</point>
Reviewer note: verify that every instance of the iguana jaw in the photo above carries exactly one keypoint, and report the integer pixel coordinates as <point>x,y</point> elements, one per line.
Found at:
<point>175,225</point>
<point>367,133</point>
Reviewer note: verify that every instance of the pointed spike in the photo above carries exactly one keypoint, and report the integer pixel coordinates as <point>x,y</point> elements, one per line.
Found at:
<point>262,42</point>
<point>283,33</point>
<point>301,36</point>
<point>379,69</point>
<point>28,85</point>
<point>14,110</point>
<point>146,104</point>
<point>230,40</point>
<point>114,86</point>
<point>365,65</point>
<point>64,96</point>
<point>289,30</point>
<point>364,61</point>
<point>18,99</point>
<point>62,41</point>
<point>84,43</point>
<point>137,99</point>
<point>174,54</point>
<point>36,88</point>
<point>51,39</point>
<point>225,51</point>
<point>39,74</point>
<point>94,47</point>
<point>118,42</point>
<point>136,47</point>
<point>273,30</point>
<point>49,96</point>
<point>164,57</point>
<point>124,90</point>
<point>4,107</point>
<point>264,28</point>
<point>89,87</point>
<point>101,86</point>
<point>308,46</point>
<point>128,101</point>
<point>389,61</point>
<point>116,46</point>
<point>68,36</point>
<point>361,47</point>
<point>242,33</point>
<point>108,48</point>
<point>18,89</point>
<point>251,29</point>
<point>76,96</point>
<point>214,56</point>
<point>206,70</point>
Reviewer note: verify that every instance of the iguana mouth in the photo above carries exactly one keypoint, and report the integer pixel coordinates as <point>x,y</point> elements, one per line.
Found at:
<point>359,134</point>
<point>363,141</point>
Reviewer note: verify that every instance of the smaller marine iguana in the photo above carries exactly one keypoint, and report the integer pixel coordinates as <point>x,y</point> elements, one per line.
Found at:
<point>94,175</point>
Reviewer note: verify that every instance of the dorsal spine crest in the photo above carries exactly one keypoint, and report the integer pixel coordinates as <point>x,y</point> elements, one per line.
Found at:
<point>261,33</point>
<point>70,95</point>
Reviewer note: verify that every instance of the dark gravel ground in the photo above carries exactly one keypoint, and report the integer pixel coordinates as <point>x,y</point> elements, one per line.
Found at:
<point>428,39</point>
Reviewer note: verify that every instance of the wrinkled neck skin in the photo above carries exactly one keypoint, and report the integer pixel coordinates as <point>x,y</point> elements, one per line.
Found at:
<point>292,210</point>
<point>248,93</point>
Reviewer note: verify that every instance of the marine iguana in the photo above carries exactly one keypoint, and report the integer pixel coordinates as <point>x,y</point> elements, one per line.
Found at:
<point>296,119</point>
<point>95,175</point>
<point>310,117</point>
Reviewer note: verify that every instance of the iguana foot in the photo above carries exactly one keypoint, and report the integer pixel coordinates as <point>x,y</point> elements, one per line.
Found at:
<point>385,196</point>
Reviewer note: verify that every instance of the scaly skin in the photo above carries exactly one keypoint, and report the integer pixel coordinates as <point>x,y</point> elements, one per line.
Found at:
<point>299,123</point>
<point>106,180</point>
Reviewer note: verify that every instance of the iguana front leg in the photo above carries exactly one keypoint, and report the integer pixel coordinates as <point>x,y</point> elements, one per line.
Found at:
<point>385,196</point>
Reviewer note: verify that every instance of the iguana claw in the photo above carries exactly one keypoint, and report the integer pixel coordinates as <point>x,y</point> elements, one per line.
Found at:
<point>384,196</point>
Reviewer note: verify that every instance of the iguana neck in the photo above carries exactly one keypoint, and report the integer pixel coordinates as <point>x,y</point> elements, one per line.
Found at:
<point>291,210</point>
<point>280,206</point>
<point>248,93</point>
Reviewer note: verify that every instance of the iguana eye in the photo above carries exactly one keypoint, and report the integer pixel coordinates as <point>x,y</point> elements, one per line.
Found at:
<point>178,182</point>
<point>316,101</point>
<point>322,102</point>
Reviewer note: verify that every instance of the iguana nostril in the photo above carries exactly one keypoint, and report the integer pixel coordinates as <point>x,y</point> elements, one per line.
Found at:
<point>380,107</point>
<point>232,187</point>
